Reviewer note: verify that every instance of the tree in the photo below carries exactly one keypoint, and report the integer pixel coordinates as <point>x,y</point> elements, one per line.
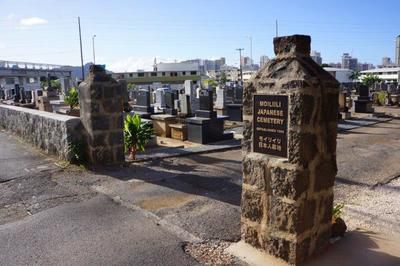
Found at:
<point>355,75</point>
<point>223,78</point>
<point>136,135</point>
<point>72,98</point>
<point>369,80</point>
<point>325,65</point>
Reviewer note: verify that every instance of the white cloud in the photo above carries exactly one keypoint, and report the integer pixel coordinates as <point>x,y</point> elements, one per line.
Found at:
<point>132,64</point>
<point>10,16</point>
<point>32,21</point>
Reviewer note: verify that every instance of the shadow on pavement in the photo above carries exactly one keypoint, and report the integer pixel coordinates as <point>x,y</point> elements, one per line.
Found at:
<point>185,177</point>
<point>360,248</point>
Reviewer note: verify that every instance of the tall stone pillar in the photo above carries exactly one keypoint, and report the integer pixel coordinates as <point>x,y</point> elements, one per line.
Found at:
<point>289,148</point>
<point>101,103</point>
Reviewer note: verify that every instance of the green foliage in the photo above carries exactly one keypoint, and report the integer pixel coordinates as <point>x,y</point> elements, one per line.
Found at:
<point>355,75</point>
<point>210,83</point>
<point>325,65</point>
<point>136,133</point>
<point>131,86</point>
<point>382,95</point>
<point>72,98</point>
<point>76,152</point>
<point>337,211</point>
<point>370,80</point>
<point>223,78</point>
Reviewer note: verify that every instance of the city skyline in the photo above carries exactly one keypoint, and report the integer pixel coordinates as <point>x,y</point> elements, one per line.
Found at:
<point>129,35</point>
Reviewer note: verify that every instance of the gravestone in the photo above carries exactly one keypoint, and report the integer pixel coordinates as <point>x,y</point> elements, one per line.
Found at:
<point>363,104</point>
<point>289,148</point>
<point>191,91</point>
<point>160,103</point>
<point>184,105</point>
<point>170,97</point>
<point>17,95</point>
<point>143,106</point>
<point>221,98</point>
<point>101,100</point>
<point>238,94</point>
<point>206,127</point>
<point>343,110</point>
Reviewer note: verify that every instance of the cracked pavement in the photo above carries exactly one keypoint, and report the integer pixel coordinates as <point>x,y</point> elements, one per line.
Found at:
<point>63,214</point>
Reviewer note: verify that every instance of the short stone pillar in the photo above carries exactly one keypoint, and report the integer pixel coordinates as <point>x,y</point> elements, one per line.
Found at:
<point>289,148</point>
<point>101,103</point>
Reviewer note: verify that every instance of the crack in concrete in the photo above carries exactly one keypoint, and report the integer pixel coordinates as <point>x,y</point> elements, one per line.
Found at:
<point>386,181</point>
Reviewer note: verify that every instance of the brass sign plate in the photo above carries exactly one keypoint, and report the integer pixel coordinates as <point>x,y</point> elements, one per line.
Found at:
<point>270,120</point>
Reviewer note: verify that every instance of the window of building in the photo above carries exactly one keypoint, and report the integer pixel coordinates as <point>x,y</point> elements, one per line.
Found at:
<point>193,73</point>
<point>173,74</point>
<point>154,74</point>
<point>130,75</point>
<point>10,81</point>
<point>163,73</point>
<point>141,74</point>
<point>183,73</point>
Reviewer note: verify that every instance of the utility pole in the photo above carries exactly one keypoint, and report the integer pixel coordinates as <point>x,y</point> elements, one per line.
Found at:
<point>240,63</point>
<point>80,41</point>
<point>276,27</point>
<point>251,50</point>
<point>94,54</point>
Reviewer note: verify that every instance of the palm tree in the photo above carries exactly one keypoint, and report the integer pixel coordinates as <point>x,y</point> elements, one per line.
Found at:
<point>136,135</point>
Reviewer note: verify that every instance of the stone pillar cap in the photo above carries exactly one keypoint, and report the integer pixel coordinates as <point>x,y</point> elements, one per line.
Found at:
<point>291,45</point>
<point>97,69</point>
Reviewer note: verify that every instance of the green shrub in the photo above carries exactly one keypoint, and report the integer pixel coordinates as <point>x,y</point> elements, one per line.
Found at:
<point>337,211</point>
<point>72,98</point>
<point>76,152</point>
<point>136,134</point>
<point>382,95</point>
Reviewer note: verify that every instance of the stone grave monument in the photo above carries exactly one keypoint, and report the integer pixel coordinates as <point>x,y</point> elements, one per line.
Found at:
<point>220,103</point>
<point>289,149</point>
<point>343,110</point>
<point>191,91</point>
<point>206,127</point>
<point>143,106</point>
<point>170,97</point>
<point>363,104</point>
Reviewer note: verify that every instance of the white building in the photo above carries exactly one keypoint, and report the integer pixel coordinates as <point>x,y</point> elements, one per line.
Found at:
<point>316,56</point>
<point>342,75</point>
<point>386,74</point>
<point>248,74</point>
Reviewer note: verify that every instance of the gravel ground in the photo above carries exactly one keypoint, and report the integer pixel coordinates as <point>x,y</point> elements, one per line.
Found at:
<point>375,209</point>
<point>211,253</point>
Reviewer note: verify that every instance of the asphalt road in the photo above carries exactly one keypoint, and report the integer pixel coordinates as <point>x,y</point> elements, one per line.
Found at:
<point>54,216</point>
<point>94,232</point>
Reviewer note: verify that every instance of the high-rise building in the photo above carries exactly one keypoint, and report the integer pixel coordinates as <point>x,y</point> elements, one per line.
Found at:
<point>397,61</point>
<point>349,62</point>
<point>263,60</point>
<point>365,66</point>
<point>386,61</point>
<point>245,61</point>
<point>316,56</point>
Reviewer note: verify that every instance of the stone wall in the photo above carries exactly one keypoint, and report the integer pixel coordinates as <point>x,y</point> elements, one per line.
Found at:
<point>50,132</point>
<point>287,202</point>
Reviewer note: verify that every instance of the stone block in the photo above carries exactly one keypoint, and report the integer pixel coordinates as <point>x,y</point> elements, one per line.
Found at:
<point>252,205</point>
<point>289,183</point>
<point>325,173</point>
<point>302,148</point>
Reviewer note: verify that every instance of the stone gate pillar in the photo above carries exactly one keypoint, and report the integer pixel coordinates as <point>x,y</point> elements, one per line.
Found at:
<point>101,103</point>
<point>289,148</point>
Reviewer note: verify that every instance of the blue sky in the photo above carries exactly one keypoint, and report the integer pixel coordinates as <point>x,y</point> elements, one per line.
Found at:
<point>129,34</point>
